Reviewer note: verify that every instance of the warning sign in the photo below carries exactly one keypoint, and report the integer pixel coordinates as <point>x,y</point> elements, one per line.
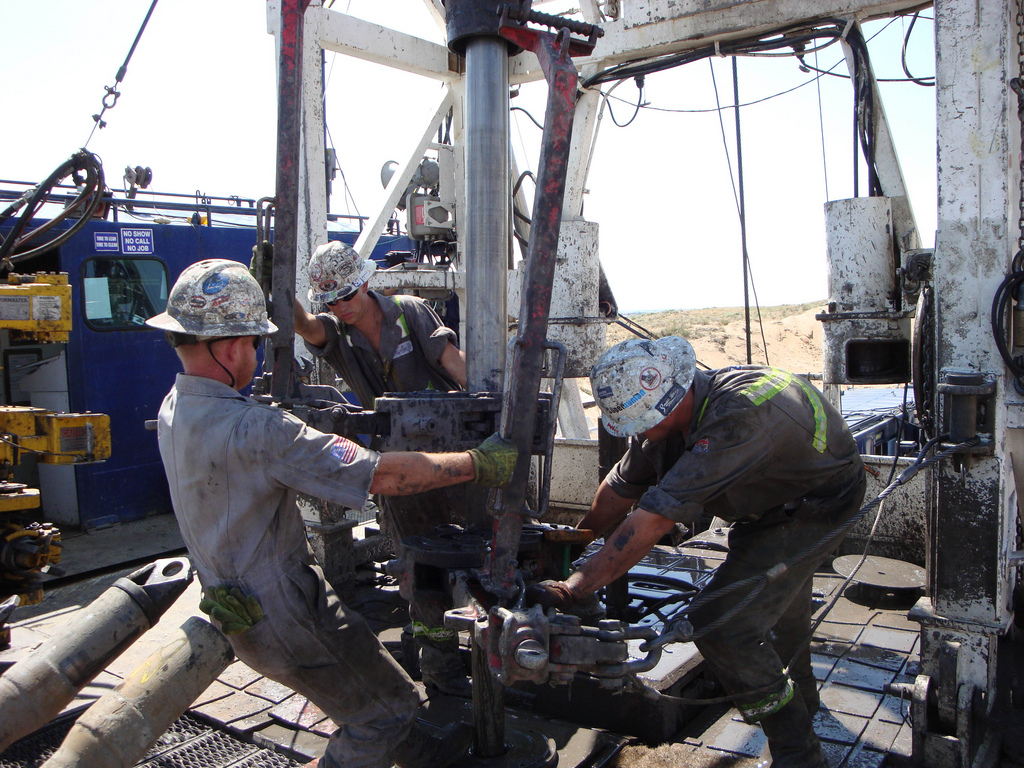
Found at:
<point>135,241</point>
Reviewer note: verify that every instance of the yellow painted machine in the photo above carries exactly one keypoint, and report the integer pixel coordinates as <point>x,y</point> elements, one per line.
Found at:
<point>38,308</point>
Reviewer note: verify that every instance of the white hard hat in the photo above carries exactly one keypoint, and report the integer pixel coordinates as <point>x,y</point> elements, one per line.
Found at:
<point>639,382</point>
<point>335,271</point>
<point>215,298</point>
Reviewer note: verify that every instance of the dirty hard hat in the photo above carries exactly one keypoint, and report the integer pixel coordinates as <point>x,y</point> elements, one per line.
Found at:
<point>336,271</point>
<point>639,382</point>
<point>215,298</point>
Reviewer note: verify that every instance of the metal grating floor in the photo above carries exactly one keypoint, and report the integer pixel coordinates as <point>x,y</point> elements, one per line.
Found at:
<point>188,743</point>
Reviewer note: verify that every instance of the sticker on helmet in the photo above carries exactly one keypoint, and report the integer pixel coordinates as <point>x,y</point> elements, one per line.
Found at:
<point>604,392</point>
<point>344,450</point>
<point>671,399</point>
<point>632,401</point>
<point>650,378</point>
<point>220,300</point>
<point>328,285</point>
<point>197,302</point>
<point>215,283</point>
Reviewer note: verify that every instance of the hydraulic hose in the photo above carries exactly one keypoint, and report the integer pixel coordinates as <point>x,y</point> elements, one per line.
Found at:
<point>92,186</point>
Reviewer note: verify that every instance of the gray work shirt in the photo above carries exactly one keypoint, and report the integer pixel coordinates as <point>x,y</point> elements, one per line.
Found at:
<point>412,341</point>
<point>760,438</point>
<point>234,467</point>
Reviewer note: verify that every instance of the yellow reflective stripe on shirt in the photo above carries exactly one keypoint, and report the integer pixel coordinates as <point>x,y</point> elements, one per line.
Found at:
<point>769,385</point>
<point>400,322</point>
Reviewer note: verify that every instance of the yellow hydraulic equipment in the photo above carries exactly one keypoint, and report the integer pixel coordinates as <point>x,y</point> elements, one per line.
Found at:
<point>36,306</point>
<point>53,438</point>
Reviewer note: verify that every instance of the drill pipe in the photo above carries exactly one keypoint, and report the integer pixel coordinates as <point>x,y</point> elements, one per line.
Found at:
<point>121,727</point>
<point>38,687</point>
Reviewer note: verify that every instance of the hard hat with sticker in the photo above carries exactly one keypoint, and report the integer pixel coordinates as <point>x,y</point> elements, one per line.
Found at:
<point>215,298</point>
<point>639,382</point>
<point>336,271</point>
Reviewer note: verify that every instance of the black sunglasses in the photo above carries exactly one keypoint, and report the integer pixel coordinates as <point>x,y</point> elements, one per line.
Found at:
<point>346,297</point>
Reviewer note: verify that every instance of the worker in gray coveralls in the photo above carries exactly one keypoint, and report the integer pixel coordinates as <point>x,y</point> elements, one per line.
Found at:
<point>381,344</point>
<point>234,467</point>
<point>758,447</point>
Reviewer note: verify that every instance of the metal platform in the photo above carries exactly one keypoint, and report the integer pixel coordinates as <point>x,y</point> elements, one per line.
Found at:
<point>858,649</point>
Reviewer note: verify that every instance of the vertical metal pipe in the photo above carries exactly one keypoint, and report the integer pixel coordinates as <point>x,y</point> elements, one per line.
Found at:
<point>488,699</point>
<point>485,244</point>
<point>486,222</point>
<point>286,234</point>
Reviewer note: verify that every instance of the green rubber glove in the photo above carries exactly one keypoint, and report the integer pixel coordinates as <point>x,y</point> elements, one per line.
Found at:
<point>493,460</point>
<point>265,272</point>
<point>235,611</point>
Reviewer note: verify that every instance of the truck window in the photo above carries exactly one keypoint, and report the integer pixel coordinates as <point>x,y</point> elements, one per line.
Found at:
<point>119,294</point>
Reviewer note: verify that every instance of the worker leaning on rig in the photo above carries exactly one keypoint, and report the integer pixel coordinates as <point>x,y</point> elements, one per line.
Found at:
<point>381,344</point>
<point>234,467</point>
<point>759,447</point>
<point>376,343</point>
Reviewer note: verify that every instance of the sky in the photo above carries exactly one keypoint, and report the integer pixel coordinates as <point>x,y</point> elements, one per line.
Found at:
<point>198,106</point>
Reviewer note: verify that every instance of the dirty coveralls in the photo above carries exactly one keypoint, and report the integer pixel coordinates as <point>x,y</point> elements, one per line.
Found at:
<point>767,452</point>
<point>412,340</point>
<point>234,467</point>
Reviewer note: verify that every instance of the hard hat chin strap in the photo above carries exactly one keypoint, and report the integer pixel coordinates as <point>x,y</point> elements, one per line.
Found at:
<point>209,346</point>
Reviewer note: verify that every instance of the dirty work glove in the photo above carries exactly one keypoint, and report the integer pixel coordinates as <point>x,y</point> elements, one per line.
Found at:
<point>493,460</point>
<point>235,611</point>
<point>264,274</point>
<point>551,594</point>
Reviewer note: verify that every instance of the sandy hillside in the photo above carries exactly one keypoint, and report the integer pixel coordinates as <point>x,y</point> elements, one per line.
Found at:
<point>792,334</point>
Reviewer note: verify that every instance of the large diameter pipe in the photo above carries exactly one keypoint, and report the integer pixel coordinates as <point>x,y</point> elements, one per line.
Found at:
<point>38,687</point>
<point>486,222</point>
<point>120,728</point>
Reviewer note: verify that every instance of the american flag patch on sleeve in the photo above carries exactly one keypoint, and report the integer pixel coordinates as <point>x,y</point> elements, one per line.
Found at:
<point>343,450</point>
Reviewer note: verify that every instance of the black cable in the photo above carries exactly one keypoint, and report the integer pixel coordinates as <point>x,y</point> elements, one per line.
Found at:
<point>1008,290</point>
<point>639,103</point>
<point>532,118</point>
<point>927,81</point>
<point>112,92</point>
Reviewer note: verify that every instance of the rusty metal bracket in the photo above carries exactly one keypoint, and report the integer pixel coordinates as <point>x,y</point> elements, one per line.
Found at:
<point>518,415</point>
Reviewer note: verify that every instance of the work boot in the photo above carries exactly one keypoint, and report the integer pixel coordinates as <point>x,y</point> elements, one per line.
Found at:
<point>441,669</point>
<point>422,750</point>
<point>791,737</point>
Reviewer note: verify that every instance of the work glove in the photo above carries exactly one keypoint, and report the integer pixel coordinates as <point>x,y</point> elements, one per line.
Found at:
<point>235,611</point>
<point>265,271</point>
<point>551,594</point>
<point>493,460</point>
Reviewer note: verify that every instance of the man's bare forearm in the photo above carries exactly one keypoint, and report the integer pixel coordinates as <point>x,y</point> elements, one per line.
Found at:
<point>308,327</point>
<point>623,549</point>
<point>607,510</point>
<point>403,473</point>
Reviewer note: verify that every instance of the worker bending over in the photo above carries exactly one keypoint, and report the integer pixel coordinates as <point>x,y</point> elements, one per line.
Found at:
<point>759,447</point>
<point>381,344</point>
<point>234,467</point>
